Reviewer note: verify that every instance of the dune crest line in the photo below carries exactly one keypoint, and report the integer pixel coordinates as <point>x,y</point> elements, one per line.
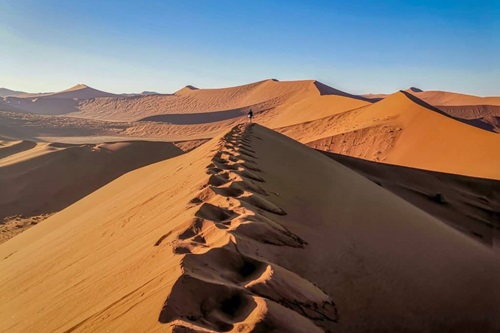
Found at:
<point>228,284</point>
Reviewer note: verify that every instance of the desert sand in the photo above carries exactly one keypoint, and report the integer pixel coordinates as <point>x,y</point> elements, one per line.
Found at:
<point>481,112</point>
<point>170,213</point>
<point>225,238</point>
<point>39,179</point>
<point>403,131</point>
<point>400,129</point>
<point>471,205</point>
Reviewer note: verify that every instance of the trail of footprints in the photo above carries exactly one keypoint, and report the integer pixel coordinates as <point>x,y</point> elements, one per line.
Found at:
<point>225,282</point>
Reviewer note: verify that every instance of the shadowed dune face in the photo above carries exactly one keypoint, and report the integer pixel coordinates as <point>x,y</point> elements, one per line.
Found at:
<point>472,205</point>
<point>197,118</point>
<point>43,105</point>
<point>11,148</point>
<point>250,232</point>
<point>38,180</point>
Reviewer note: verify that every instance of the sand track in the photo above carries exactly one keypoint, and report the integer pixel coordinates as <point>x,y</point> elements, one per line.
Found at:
<point>225,283</point>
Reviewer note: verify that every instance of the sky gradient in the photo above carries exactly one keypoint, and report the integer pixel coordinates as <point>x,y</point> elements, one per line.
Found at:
<point>356,46</point>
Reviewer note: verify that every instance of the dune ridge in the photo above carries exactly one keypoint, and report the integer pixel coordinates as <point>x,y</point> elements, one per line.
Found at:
<point>239,287</point>
<point>259,96</point>
<point>4,92</point>
<point>226,239</point>
<point>404,131</point>
<point>481,112</point>
<point>86,102</point>
<point>55,103</point>
<point>400,129</point>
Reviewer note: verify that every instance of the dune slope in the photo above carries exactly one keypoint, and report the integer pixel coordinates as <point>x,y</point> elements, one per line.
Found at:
<point>401,130</point>
<point>57,103</point>
<point>227,239</point>
<point>39,179</point>
<point>471,205</point>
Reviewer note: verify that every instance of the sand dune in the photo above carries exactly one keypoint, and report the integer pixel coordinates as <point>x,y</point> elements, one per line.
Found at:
<point>444,98</point>
<point>190,114</point>
<point>39,179</point>
<point>481,112</point>
<point>13,147</point>
<point>4,106</point>
<point>224,238</point>
<point>400,130</point>
<point>4,92</point>
<point>85,102</point>
<point>447,98</point>
<point>62,102</point>
<point>80,91</point>
<point>259,96</point>
<point>41,105</point>
<point>309,109</point>
<point>471,205</point>
<point>486,117</point>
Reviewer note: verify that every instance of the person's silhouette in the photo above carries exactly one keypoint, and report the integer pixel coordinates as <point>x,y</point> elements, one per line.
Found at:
<point>250,115</point>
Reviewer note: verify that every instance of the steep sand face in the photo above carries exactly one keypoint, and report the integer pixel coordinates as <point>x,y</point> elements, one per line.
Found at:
<point>225,238</point>
<point>397,130</point>
<point>471,205</point>
<point>39,179</point>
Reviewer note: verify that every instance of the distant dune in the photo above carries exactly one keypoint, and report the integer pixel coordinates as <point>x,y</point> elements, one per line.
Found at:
<point>85,102</point>
<point>80,91</point>
<point>250,232</point>
<point>4,92</point>
<point>400,130</point>
<point>258,96</point>
<point>62,102</point>
<point>40,179</point>
<point>445,98</point>
<point>481,112</point>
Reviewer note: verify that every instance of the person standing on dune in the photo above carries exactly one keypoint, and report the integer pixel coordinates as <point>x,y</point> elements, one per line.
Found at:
<point>250,115</point>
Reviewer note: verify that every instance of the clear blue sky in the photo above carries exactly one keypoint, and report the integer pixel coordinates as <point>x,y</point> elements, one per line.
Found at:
<point>357,46</point>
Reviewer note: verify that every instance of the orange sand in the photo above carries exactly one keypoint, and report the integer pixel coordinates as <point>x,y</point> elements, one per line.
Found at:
<point>252,231</point>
